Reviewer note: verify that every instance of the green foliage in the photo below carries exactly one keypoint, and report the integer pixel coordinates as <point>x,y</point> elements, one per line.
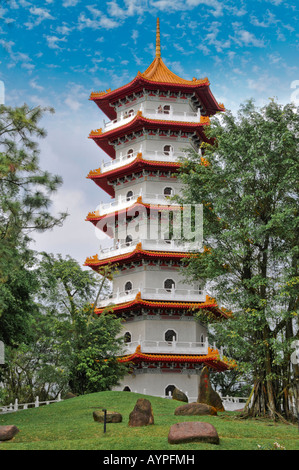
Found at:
<point>86,343</point>
<point>71,348</point>
<point>25,192</point>
<point>248,185</point>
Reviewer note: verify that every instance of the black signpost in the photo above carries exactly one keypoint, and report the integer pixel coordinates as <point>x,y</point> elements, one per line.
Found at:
<point>105,417</point>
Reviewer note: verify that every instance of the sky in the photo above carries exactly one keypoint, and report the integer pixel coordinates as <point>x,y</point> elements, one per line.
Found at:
<point>56,52</point>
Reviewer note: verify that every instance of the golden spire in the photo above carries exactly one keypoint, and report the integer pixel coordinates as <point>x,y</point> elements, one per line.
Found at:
<point>158,47</point>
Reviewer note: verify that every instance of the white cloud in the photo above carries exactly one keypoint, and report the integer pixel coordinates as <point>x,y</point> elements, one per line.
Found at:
<point>40,15</point>
<point>96,23</point>
<point>35,86</point>
<point>76,96</point>
<point>64,29</point>
<point>134,35</point>
<point>245,38</point>
<point>268,20</point>
<point>53,41</point>
<point>17,57</point>
<point>132,7</point>
<point>215,7</point>
<point>70,3</point>
<point>211,37</point>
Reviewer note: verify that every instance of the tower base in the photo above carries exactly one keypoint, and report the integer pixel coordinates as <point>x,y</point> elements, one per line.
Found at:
<point>157,382</point>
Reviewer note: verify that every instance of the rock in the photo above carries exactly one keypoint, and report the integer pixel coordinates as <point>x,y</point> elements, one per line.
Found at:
<point>193,431</point>
<point>142,414</point>
<point>8,432</point>
<point>179,395</point>
<point>195,409</point>
<point>70,395</point>
<point>111,416</point>
<point>206,394</point>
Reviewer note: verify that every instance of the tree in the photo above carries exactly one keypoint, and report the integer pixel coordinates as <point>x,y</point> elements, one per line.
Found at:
<point>88,344</point>
<point>25,192</point>
<point>71,348</point>
<point>247,181</point>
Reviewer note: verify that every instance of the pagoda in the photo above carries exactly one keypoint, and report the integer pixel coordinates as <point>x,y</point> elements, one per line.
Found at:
<point>152,119</point>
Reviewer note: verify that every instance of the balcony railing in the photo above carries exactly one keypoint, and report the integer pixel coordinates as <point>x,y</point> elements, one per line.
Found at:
<point>172,115</point>
<point>123,202</point>
<point>126,159</point>
<point>154,293</point>
<point>149,245</point>
<point>152,113</point>
<point>123,119</point>
<point>168,347</point>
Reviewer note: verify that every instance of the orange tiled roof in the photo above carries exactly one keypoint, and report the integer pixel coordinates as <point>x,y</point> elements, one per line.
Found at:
<point>211,359</point>
<point>158,72</point>
<point>94,260</point>
<point>209,304</point>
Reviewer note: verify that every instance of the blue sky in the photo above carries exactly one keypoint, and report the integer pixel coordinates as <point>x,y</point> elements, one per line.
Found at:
<point>55,52</point>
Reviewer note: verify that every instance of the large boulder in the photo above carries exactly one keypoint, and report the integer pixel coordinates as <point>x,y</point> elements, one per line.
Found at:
<point>142,414</point>
<point>111,416</point>
<point>69,395</point>
<point>193,431</point>
<point>195,409</point>
<point>8,432</point>
<point>206,394</point>
<point>179,395</point>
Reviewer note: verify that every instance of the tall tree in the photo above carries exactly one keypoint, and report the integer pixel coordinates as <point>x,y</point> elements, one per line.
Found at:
<point>88,344</point>
<point>71,349</point>
<point>25,192</point>
<point>247,181</point>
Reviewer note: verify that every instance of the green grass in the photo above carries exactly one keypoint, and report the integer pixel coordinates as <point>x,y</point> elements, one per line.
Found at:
<point>69,425</point>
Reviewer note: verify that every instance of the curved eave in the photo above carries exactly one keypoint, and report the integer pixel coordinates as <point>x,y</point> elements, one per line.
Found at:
<point>104,180</point>
<point>137,303</point>
<point>102,139</point>
<point>135,255</point>
<point>200,88</point>
<point>212,359</point>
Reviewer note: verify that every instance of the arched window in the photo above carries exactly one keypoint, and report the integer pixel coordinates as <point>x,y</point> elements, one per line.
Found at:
<point>127,337</point>
<point>166,109</point>
<point>200,289</point>
<point>169,284</point>
<point>202,338</point>
<point>167,149</point>
<point>129,195</point>
<point>128,287</point>
<point>170,336</point>
<point>168,191</point>
<point>169,390</point>
<point>129,240</point>
<point>130,153</point>
<point>126,389</point>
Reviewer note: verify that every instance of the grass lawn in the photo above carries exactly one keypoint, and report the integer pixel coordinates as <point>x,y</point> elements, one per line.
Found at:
<point>69,425</point>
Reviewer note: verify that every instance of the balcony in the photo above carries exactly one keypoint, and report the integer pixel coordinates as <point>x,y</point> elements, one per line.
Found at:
<point>124,202</point>
<point>170,347</point>
<point>152,293</point>
<point>156,156</point>
<point>176,246</point>
<point>154,113</point>
<point>171,115</point>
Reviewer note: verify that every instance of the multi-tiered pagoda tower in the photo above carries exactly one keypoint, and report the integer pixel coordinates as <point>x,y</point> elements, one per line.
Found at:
<point>152,119</point>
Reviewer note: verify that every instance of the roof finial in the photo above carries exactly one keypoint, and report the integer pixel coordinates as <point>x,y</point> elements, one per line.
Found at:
<point>158,47</point>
